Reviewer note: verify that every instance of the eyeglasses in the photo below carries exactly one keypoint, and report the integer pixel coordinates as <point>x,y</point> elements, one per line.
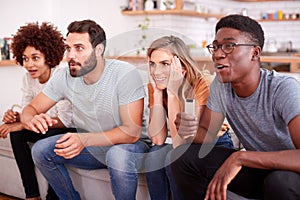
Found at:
<point>227,47</point>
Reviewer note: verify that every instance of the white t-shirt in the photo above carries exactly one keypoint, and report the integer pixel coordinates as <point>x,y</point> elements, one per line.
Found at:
<point>96,106</point>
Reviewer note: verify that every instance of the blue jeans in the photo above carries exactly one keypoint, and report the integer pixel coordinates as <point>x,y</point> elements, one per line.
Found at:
<point>225,141</point>
<point>121,160</point>
<point>159,178</point>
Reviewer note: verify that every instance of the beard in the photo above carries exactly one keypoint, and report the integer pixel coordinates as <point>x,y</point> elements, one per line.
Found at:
<point>88,65</point>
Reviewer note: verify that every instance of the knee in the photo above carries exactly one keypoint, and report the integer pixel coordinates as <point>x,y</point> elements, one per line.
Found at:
<point>37,152</point>
<point>43,149</point>
<point>119,157</point>
<point>126,157</point>
<point>282,185</point>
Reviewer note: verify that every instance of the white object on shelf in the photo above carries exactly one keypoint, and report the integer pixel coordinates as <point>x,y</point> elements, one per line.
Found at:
<point>149,5</point>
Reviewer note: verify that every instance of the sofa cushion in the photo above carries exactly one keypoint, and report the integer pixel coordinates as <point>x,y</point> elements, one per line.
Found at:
<point>101,174</point>
<point>5,148</point>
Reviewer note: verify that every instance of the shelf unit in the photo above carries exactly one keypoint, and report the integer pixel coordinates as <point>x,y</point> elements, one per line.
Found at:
<point>173,12</point>
<point>177,11</point>
<point>8,63</point>
<point>278,20</point>
<point>262,0</point>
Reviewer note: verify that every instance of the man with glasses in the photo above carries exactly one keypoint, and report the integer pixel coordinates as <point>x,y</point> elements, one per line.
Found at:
<point>263,109</point>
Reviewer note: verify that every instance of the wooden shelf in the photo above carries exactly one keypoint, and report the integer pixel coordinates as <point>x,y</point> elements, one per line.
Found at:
<point>8,63</point>
<point>278,20</point>
<point>173,12</point>
<point>262,0</point>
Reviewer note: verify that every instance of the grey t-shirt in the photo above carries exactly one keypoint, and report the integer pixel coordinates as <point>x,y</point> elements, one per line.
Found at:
<point>261,120</point>
<point>96,107</point>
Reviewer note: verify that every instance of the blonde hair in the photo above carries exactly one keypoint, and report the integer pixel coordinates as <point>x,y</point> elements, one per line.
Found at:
<point>178,48</point>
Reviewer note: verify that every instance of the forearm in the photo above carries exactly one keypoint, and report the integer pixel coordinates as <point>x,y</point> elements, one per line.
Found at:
<point>173,109</point>
<point>118,135</point>
<point>203,136</point>
<point>157,128</point>
<point>276,160</point>
<point>28,113</point>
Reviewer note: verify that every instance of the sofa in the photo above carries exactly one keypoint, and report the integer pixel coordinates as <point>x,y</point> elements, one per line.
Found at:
<point>91,184</point>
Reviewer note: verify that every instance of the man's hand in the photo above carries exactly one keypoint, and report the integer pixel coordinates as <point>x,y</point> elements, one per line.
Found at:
<point>217,187</point>
<point>5,129</point>
<point>186,125</point>
<point>10,116</point>
<point>40,123</point>
<point>69,145</point>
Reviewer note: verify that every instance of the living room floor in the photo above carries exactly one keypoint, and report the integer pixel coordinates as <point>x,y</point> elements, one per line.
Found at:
<point>6,197</point>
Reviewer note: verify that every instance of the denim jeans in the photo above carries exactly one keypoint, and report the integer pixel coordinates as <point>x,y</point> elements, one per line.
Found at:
<point>225,141</point>
<point>121,160</point>
<point>158,173</point>
<point>19,142</point>
<point>159,180</point>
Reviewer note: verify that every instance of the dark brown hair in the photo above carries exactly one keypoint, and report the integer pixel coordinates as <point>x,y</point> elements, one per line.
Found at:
<point>45,38</point>
<point>95,31</point>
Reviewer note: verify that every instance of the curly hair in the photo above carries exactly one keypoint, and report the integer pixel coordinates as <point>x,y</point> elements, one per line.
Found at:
<point>45,38</point>
<point>244,24</point>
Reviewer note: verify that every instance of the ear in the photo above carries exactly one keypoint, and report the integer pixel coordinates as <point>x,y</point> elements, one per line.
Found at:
<point>99,49</point>
<point>256,53</point>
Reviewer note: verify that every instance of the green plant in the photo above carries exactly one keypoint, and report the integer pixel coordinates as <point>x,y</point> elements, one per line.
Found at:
<point>141,43</point>
<point>168,4</point>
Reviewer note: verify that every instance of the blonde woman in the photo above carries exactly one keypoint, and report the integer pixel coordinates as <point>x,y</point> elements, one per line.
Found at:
<point>174,77</point>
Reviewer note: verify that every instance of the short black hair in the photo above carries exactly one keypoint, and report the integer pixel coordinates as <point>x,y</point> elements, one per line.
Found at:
<point>244,24</point>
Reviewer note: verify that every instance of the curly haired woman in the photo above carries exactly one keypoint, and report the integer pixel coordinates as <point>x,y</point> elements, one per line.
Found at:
<point>39,48</point>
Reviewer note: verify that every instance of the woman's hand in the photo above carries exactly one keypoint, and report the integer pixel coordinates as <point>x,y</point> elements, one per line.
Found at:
<point>176,76</point>
<point>5,129</point>
<point>10,116</point>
